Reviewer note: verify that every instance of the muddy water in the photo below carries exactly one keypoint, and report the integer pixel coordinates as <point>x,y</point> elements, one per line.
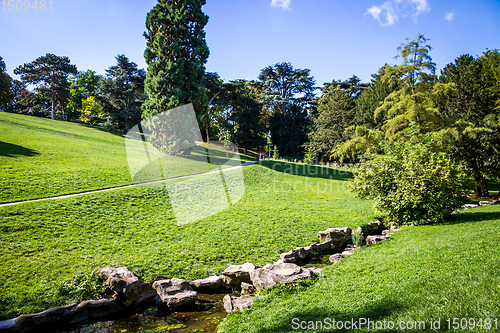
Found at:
<point>208,313</point>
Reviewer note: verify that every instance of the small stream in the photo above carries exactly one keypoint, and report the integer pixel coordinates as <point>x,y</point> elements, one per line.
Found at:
<point>205,317</point>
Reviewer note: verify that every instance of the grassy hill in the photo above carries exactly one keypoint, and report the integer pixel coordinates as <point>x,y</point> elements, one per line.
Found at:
<point>48,245</point>
<point>47,248</point>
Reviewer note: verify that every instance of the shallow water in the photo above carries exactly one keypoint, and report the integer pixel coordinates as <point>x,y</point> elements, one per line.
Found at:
<point>206,315</point>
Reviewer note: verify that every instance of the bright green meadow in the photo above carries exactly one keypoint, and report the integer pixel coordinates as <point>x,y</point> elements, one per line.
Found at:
<point>49,247</point>
<point>49,244</point>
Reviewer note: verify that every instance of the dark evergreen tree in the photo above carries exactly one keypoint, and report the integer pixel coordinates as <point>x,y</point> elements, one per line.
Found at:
<point>5,87</point>
<point>249,131</point>
<point>288,93</point>
<point>176,54</point>
<point>121,94</point>
<point>471,131</point>
<point>335,114</point>
<point>50,73</point>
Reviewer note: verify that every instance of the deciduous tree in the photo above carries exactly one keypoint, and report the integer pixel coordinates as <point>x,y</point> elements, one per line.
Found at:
<point>49,72</point>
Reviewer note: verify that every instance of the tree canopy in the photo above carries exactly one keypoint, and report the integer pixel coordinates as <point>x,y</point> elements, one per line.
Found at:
<point>49,72</point>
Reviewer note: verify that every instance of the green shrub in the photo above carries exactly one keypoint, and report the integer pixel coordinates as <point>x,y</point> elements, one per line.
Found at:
<point>411,182</point>
<point>358,239</point>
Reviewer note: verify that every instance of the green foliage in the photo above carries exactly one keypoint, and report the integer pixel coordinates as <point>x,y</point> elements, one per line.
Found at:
<point>50,73</point>
<point>121,94</point>
<point>90,110</point>
<point>421,273</point>
<point>176,54</point>
<point>245,113</point>
<point>370,99</point>
<point>358,239</point>
<point>5,87</point>
<point>334,115</point>
<point>82,85</point>
<point>84,287</point>
<point>471,132</point>
<point>276,153</point>
<point>411,182</point>
<point>287,93</point>
<point>363,141</point>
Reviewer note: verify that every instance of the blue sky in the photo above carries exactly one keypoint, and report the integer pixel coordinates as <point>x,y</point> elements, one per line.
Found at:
<point>333,38</point>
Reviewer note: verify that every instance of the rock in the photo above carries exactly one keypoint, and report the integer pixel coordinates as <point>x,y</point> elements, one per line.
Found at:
<point>374,228</point>
<point>336,236</point>
<point>387,233</point>
<point>359,230</point>
<point>212,282</point>
<point>61,316</point>
<point>237,303</point>
<point>470,206</point>
<point>120,279</point>
<point>235,274</point>
<point>314,270</point>
<point>126,285</point>
<point>347,252</point>
<point>174,293</point>
<point>271,275</point>
<point>247,288</point>
<point>321,247</point>
<point>336,258</point>
<point>375,239</point>
<point>485,203</point>
<point>296,255</point>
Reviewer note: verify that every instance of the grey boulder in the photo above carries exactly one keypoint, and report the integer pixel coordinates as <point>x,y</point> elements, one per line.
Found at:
<point>284,273</point>
<point>235,274</point>
<point>336,236</point>
<point>241,303</point>
<point>174,292</point>
<point>375,239</point>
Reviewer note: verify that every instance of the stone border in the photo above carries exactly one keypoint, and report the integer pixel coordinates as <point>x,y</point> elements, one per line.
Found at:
<point>482,203</point>
<point>130,295</point>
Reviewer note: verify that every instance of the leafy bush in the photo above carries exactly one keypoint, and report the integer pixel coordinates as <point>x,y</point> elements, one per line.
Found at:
<point>411,182</point>
<point>358,239</point>
<point>83,287</point>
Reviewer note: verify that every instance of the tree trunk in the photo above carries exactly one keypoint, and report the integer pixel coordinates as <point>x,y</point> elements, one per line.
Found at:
<point>478,186</point>
<point>484,187</point>
<point>208,135</point>
<point>245,151</point>
<point>53,113</point>
<point>65,114</point>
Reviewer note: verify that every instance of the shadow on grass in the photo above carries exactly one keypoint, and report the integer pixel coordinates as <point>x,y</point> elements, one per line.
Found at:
<point>471,216</point>
<point>12,150</point>
<point>314,171</point>
<point>320,319</point>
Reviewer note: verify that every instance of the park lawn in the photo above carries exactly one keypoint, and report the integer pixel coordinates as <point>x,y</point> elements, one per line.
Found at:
<point>42,158</point>
<point>47,245</point>
<point>421,273</point>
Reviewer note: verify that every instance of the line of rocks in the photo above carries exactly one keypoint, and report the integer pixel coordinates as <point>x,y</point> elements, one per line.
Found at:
<point>482,203</point>
<point>129,294</point>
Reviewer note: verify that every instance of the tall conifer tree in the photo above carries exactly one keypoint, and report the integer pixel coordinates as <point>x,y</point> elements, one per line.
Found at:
<point>176,54</point>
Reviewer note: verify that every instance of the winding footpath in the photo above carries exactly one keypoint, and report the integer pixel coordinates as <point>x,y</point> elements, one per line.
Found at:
<point>125,186</point>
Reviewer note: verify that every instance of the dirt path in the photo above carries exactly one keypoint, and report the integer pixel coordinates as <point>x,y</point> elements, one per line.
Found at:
<point>121,187</point>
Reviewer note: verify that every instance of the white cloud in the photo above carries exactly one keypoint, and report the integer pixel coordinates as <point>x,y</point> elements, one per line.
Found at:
<point>285,4</point>
<point>392,10</point>
<point>448,16</point>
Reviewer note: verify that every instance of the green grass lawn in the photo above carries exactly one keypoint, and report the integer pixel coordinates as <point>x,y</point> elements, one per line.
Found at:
<point>42,158</point>
<point>422,273</point>
<point>434,271</point>
<point>48,244</point>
